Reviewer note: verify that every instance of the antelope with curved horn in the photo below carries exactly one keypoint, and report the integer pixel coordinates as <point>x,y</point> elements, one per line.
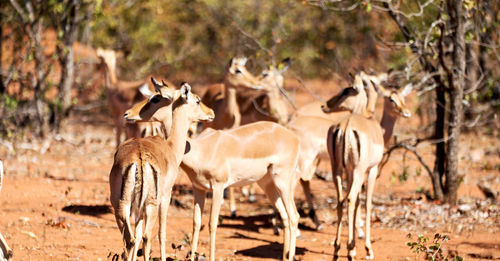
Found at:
<point>5,251</point>
<point>356,145</point>
<point>145,169</point>
<point>262,152</point>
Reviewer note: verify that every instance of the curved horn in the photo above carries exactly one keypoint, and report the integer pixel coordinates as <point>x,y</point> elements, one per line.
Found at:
<point>164,83</point>
<point>156,84</point>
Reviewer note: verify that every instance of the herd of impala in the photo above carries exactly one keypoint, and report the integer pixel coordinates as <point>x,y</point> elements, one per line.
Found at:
<point>249,136</point>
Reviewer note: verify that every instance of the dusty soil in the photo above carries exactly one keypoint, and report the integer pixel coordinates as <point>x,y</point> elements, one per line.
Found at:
<point>55,202</point>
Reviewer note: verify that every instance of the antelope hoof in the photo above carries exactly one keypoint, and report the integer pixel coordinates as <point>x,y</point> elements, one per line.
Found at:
<point>369,254</point>
<point>139,252</point>
<point>352,254</point>
<point>233,213</point>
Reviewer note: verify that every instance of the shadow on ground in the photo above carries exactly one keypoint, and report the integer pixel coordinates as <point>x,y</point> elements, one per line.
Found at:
<point>269,250</point>
<point>95,210</point>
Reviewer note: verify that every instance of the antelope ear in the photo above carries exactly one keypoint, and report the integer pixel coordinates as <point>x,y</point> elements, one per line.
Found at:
<point>144,90</point>
<point>407,89</point>
<point>358,83</point>
<point>350,77</point>
<point>185,90</point>
<point>284,65</point>
<point>381,90</point>
<point>242,61</point>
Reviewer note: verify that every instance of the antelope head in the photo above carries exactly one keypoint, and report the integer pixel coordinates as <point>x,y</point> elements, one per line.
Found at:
<point>153,109</point>
<point>237,75</point>
<point>272,81</point>
<point>396,98</point>
<point>352,98</point>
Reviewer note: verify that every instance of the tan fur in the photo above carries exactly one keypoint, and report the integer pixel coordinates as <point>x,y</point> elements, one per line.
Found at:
<point>121,95</point>
<point>145,169</point>
<point>262,152</point>
<point>227,113</point>
<point>5,251</point>
<point>355,145</point>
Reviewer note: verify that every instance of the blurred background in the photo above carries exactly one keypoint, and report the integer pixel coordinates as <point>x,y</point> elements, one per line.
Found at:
<point>50,68</point>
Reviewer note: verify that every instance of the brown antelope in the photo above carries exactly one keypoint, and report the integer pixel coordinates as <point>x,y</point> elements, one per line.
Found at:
<point>227,112</point>
<point>5,251</point>
<point>356,145</point>
<point>145,169</point>
<point>121,95</point>
<point>262,152</point>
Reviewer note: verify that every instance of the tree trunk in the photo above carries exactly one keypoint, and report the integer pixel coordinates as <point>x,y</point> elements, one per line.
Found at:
<point>457,83</point>
<point>67,78</point>
<point>39,81</point>
<point>66,57</point>
<point>440,159</point>
<point>2,87</point>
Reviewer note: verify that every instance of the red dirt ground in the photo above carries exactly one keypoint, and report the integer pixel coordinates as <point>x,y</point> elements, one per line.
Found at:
<point>55,203</point>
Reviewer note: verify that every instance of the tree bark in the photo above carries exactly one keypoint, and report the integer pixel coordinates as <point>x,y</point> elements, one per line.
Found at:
<point>457,83</point>
<point>440,154</point>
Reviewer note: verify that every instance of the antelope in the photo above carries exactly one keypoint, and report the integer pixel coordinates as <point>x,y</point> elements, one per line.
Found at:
<point>312,131</point>
<point>355,145</point>
<point>227,112</point>
<point>267,106</point>
<point>314,108</point>
<point>5,251</point>
<point>145,169</point>
<point>121,95</point>
<point>262,152</point>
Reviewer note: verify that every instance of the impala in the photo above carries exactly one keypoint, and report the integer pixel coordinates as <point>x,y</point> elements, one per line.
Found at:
<point>314,108</point>
<point>355,145</point>
<point>121,95</point>
<point>223,98</point>
<point>5,251</point>
<point>145,169</point>
<point>266,105</point>
<point>262,152</point>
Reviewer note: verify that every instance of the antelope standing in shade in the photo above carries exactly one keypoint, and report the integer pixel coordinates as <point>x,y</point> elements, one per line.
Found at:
<point>145,169</point>
<point>356,145</point>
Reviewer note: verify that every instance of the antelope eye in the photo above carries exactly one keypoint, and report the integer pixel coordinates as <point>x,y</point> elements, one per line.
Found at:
<point>155,99</point>
<point>264,75</point>
<point>198,101</point>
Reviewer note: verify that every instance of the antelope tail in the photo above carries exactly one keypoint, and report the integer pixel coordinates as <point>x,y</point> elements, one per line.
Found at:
<point>352,149</point>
